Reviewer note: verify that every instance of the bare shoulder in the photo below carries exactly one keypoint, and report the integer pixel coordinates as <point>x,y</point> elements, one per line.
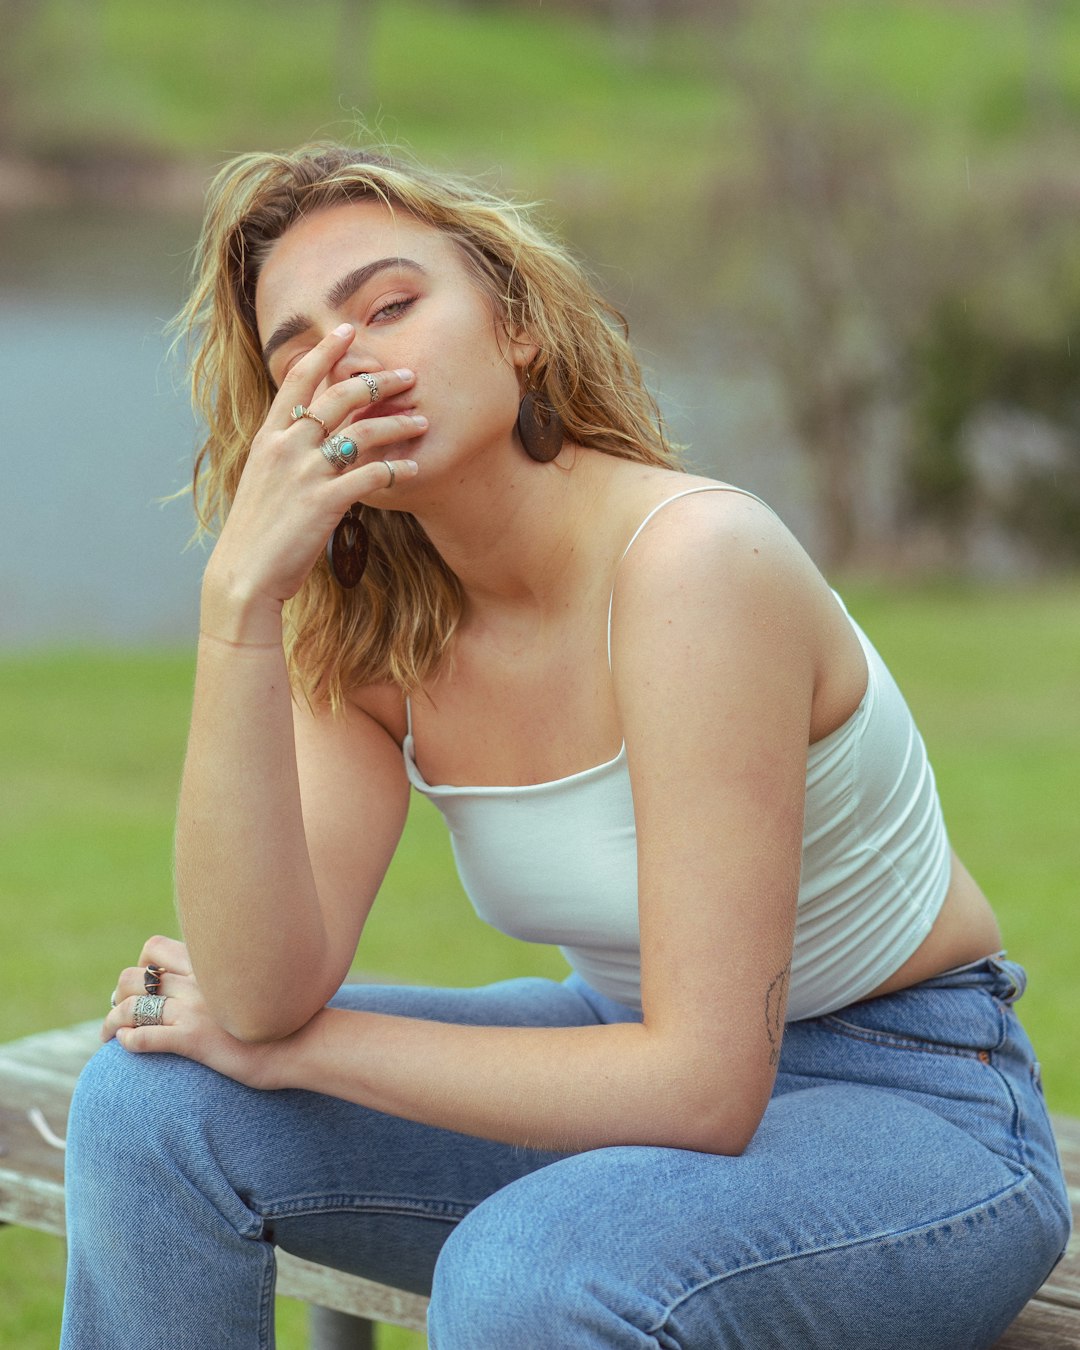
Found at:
<point>369,728</point>
<point>700,534</point>
<point>716,582</point>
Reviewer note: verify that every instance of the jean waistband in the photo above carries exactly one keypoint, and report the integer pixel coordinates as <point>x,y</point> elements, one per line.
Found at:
<point>1003,978</point>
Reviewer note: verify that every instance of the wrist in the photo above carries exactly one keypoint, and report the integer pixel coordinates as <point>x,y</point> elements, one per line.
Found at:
<point>286,1060</point>
<point>231,612</point>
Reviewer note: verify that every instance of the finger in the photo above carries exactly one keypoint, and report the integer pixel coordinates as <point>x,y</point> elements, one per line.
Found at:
<point>138,1040</point>
<point>167,953</point>
<point>123,1015</point>
<point>133,982</point>
<point>302,379</point>
<point>376,479</point>
<point>375,394</point>
<point>129,984</point>
<point>361,443</point>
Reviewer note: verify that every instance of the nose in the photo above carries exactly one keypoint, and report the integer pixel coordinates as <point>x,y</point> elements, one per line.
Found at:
<point>355,361</point>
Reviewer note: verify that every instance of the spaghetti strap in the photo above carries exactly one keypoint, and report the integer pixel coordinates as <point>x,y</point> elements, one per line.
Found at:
<point>408,716</point>
<point>686,492</point>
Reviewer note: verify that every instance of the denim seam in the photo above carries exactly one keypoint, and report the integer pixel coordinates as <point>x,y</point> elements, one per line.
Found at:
<point>924,1045</point>
<point>1021,1184</point>
<point>266,1304</point>
<point>1018,1133</point>
<point>448,1211</point>
<point>890,1041</point>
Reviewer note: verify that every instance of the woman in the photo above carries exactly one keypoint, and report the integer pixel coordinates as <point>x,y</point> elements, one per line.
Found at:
<point>657,738</point>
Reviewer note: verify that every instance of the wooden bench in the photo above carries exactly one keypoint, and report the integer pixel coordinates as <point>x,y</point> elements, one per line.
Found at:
<point>37,1075</point>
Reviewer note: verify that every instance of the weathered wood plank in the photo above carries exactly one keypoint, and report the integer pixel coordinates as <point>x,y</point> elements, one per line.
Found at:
<point>349,1293</point>
<point>1042,1326</point>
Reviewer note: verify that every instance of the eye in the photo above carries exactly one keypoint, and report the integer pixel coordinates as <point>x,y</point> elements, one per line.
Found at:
<point>393,309</point>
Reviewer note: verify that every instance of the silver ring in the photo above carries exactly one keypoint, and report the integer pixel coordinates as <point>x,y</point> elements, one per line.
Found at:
<point>149,1009</point>
<point>339,451</point>
<point>393,475</point>
<point>372,384</point>
<point>112,999</point>
<point>300,412</point>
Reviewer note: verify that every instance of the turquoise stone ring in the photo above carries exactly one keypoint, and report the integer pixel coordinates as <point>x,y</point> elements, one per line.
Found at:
<point>339,451</point>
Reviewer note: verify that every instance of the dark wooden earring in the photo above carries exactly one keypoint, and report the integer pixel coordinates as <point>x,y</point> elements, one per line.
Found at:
<point>539,427</point>
<point>347,548</point>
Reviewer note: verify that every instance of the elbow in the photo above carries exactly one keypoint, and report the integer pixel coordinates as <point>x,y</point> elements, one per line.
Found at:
<point>727,1137</point>
<point>258,1032</point>
<point>726,1129</point>
<point>259,1023</point>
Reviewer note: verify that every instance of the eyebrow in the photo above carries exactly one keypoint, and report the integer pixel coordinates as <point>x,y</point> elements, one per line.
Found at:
<point>339,294</point>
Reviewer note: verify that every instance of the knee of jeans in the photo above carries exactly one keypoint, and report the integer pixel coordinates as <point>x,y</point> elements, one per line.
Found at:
<point>513,1277</point>
<point>486,1289</point>
<point>128,1106</point>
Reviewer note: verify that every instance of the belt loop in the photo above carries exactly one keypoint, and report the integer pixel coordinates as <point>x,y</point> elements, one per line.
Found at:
<point>1011,975</point>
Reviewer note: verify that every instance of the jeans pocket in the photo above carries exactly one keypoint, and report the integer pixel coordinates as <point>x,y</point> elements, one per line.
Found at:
<point>957,1021</point>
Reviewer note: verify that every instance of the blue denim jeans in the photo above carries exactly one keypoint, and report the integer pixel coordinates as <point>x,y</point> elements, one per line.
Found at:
<point>903,1190</point>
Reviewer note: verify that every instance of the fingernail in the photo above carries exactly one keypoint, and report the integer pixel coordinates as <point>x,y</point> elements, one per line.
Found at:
<point>419,419</point>
<point>343,330</point>
<point>404,374</point>
<point>409,464</point>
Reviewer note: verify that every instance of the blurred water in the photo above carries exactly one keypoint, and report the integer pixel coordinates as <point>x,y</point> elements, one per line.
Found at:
<point>92,436</point>
<point>96,429</point>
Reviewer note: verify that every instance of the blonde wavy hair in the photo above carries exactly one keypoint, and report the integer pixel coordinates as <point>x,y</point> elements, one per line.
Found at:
<point>397,625</point>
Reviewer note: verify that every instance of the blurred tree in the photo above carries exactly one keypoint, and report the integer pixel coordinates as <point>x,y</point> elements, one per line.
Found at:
<point>16,20</point>
<point>953,374</point>
<point>855,263</point>
<point>970,370</point>
<point>634,22</point>
<point>356,40</point>
<point>837,267</point>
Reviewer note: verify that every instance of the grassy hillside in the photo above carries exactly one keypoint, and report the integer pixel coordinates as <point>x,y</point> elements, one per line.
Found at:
<point>551,93</point>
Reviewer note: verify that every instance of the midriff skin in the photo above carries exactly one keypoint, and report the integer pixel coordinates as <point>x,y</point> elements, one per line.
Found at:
<point>965,930</point>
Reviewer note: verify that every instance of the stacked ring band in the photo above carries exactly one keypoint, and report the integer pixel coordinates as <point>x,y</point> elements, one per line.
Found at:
<point>339,451</point>
<point>149,1009</point>
<point>299,412</point>
<point>393,475</point>
<point>152,978</point>
<point>372,384</point>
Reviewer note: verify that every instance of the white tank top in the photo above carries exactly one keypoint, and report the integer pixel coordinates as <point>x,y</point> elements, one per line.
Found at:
<point>557,862</point>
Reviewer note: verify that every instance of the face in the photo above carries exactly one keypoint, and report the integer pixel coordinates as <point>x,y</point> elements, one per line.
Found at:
<point>407,292</point>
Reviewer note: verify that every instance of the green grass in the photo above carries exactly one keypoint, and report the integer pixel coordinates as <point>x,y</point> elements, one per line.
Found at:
<point>993,677</point>
<point>213,77</point>
<point>549,93</point>
<point>91,746</point>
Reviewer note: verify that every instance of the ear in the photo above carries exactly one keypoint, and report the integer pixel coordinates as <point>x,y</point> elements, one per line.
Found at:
<point>522,351</point>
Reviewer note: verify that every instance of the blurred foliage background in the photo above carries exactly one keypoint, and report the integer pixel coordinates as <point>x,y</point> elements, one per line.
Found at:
<point>890,189</point>
<point>845,237</point>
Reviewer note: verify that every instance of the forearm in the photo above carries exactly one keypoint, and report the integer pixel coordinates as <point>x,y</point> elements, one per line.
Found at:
<point>245,891</point>
<point>564,1089</point>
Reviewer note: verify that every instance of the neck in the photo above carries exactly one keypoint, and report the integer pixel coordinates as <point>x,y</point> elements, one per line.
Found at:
<point>515,537</point>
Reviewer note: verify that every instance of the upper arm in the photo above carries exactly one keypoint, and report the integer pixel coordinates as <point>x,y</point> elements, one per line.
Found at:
<point>714,669</point>
<point>354,795</point>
